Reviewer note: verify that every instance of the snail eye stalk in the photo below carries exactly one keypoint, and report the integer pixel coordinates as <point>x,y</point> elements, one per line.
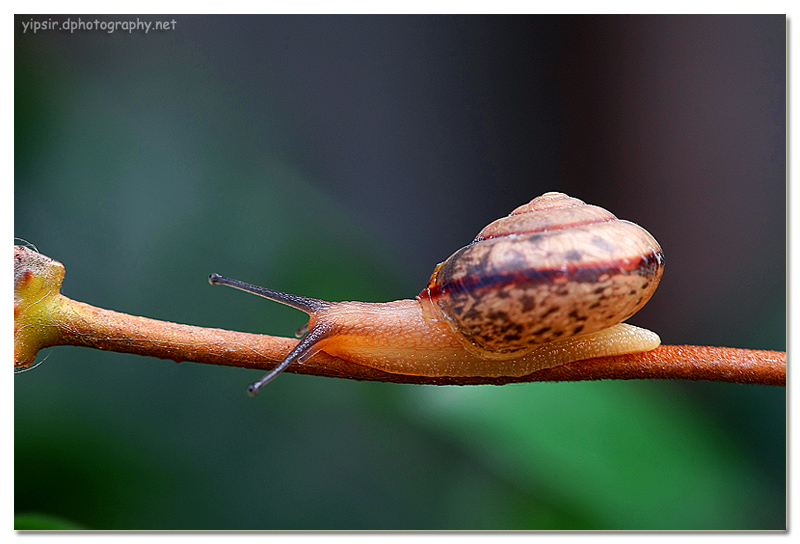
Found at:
<point>305,348</point>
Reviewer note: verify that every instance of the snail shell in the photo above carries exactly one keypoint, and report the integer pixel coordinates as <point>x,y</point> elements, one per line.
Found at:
<point>554,268</point>
<point>548,285</point>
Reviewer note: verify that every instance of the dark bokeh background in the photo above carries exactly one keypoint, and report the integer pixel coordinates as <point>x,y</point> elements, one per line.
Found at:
<point>342,158</point>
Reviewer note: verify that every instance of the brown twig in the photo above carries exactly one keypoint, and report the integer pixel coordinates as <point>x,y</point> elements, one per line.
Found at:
<point>44,318</point>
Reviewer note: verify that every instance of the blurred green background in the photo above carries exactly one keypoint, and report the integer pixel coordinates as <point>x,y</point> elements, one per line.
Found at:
<point>342,158</point>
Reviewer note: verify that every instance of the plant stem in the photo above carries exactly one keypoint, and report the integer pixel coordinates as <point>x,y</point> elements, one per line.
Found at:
<point>114,331</point>
<point>43,317</point>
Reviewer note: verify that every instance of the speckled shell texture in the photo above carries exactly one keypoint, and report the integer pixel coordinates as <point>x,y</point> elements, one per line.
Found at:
<point>552,269</point>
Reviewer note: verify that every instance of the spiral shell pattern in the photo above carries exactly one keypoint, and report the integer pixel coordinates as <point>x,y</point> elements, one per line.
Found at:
<point>554,268</point>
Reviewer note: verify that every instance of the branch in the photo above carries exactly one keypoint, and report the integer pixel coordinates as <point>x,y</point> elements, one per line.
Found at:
<point>43,317</point>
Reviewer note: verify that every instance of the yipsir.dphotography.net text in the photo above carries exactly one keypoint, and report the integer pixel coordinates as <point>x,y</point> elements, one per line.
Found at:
<point>110,26</point>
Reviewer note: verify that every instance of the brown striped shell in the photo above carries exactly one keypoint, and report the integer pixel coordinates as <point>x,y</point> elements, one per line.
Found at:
<point>554,268</point>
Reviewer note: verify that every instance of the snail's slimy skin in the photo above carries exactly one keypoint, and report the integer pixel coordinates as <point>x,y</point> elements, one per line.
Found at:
<point>548,285</point>
<point>396,337</point>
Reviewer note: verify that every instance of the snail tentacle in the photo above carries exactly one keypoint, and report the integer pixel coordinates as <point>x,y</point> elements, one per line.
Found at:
<point>306,304</point>
<point>305,348</point>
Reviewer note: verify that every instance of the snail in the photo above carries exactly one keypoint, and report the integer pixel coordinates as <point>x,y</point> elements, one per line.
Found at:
<point>547,285</point>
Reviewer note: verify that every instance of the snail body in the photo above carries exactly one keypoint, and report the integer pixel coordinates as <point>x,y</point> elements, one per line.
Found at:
<point>547,285</point>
